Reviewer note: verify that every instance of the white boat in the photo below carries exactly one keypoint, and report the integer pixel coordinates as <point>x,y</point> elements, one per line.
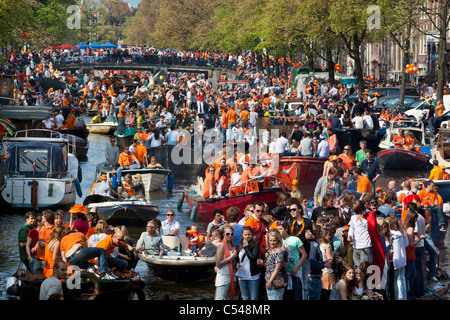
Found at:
<point>152,178</point>
<point>416,128</point>
<point>106,127</point>
<point>40,170</point>
<point>179,266</point>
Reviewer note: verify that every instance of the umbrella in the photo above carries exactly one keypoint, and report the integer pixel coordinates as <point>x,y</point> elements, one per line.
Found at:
<point>83,45</point>
<point>67,46</point>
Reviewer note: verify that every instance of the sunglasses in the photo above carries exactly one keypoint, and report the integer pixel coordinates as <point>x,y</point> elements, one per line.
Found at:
<point>170,215</point>
<point>291,210</point>
<point>229,233</point>
<point>281,223</point>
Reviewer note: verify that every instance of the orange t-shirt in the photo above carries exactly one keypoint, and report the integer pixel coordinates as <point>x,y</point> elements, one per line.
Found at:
<point>398,141</point>
<point>255,224</point>
<point>432,196</point>
<point>245,115</point>
<point>44,235</point>
<point>90,232</point>
<point>122,111</point>
<point>347,161</point>
<point>140,151</point>
<point>231,116</point>
<point>70,122</point>
<point>364,185</point>
<point>130,191</point>
<point>126,160</point>
<point>206,183</point>
<point>108,245</point>
<point>49,262</point>
<point>68,241</point>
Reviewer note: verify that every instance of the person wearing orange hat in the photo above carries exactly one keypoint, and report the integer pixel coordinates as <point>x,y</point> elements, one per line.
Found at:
<point>81,224</point>
<point>102,187</point>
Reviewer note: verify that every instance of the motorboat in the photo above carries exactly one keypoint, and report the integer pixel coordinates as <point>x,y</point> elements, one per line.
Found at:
<point>41,170</point>
<point>152,178</point>
<point>108,126</point>
<point>412,156</point>
<point>122,212</point>
<point>305,170</point>
<point>181,265</point>
<point>264,189</point>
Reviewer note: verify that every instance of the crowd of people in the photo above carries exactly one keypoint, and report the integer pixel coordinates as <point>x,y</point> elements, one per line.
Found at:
<point>326,251</point>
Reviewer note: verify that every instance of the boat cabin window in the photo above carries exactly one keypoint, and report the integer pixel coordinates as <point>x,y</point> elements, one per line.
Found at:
<point>33,160</point>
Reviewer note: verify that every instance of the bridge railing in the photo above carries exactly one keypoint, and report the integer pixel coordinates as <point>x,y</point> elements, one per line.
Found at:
<point>147,60</point>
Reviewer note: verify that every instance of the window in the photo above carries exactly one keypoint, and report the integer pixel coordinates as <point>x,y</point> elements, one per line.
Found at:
<point>33,160</point>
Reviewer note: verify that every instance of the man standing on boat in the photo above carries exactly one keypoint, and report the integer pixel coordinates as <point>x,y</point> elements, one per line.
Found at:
<point>371,169</point>
<point>112,153</point>
<point>127,160</point>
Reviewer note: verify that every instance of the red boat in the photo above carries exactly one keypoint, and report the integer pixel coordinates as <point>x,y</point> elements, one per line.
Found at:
<point>307,171</point>
<point>263,189</point>
<point>401,159</point>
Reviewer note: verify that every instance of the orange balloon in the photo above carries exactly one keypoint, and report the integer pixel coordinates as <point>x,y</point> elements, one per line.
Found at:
<point>416,69</point>
<point>408,140</point>
<point>407,66</point>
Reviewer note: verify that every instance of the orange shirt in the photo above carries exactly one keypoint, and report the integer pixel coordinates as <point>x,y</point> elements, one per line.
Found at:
<point>245,115</point>
<point>206,183</point>
<point>140,151</point>
<point>70,122</point>
<point>398,141</point>
<point>432,196</point>
<point>90,232</point>
<point>347,161</point>
<point>127,159</point>
<point>122,111</point>
<point>255,224</point>
<point>405,213</point>
<point>44,235</point>
<point>231,116</point>
<point>130,191</point>
<point>49,262</point>
<point>364,185</point>
<point>68,241</point>
<point>108,245</point>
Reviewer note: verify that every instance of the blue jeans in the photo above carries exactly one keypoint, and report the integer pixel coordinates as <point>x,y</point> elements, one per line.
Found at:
<point>431,248</point>
<point>249,289</point>
<point>119,171</point>
<point>273,294</point>
<point>437,214</point>
<point>118,263</point>
<point>419,289</point>
<point>82,258</point>
<point>410,275</point>
<point>306,269</point>
<point>399,283</point>
<point>120,125</point>
<point>314,288</point>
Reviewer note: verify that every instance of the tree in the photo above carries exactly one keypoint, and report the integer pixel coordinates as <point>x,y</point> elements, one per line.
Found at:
<point>140,28</point>
<point>398,19</point>
<point>439,17</point>
<point>349,19</point>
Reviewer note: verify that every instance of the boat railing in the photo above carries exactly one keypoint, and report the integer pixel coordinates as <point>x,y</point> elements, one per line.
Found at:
<point>46,133</point>
<point>249,185</point>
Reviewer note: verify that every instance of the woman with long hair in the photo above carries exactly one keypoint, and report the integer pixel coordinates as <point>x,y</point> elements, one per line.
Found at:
<point>328,276</point>
<point>399,241</point>
<point>248,273</point>
<point>345,210</point>
<point>101,231</point>
<point>348,158</point>
<point>224,181</point>
<point>53,250</point>
<point>274,259</point>
<point>343,289</point>
<point>225,260</point>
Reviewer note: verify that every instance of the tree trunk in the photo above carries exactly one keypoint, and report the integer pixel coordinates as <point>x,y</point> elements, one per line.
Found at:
<point>277,68</point>
<point>442,63</point>
<point>330,63</point>
<point>358,69</point>
<point>259,62</point>
<point>268,67</point>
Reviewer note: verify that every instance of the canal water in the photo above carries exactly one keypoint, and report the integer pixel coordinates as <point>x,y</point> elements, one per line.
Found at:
<point>11,221</point>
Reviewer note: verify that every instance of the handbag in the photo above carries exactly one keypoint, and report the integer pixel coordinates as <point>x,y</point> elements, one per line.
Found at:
<point>279,283</point>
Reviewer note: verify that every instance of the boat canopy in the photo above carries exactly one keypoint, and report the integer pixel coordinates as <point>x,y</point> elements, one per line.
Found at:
<point>36,159</point>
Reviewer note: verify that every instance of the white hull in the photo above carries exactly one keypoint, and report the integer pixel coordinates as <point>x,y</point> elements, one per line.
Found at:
<point>153,182</point>
<point>102,128</point>
<point>50,192</point>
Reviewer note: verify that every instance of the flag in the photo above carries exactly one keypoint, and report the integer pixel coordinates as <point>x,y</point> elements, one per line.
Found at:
<point>34,165</point>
